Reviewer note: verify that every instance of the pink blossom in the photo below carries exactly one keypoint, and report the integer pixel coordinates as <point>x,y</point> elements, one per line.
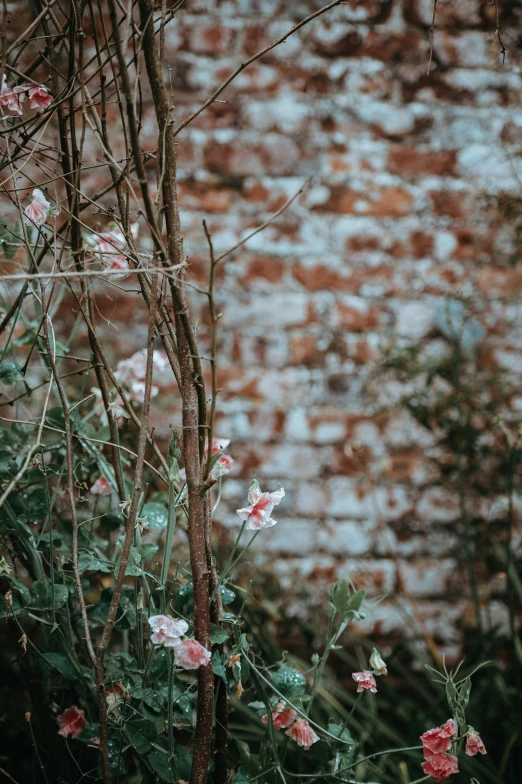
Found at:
<point>281,718</point>
<point>191,655</point>
<point>365,681</point>
<point>12,97</point>
<point>438,740</point>
<point>258,514</point>
<point>440,766</point>
<point>132,371</point>
<point>71,722</point>
<point>167,631</point>
<point>303,734</point>
<point>474,744</point>
<point>38,208</point>
<point>224,463</point>
<point>39,97</point>
<point>101,487</point>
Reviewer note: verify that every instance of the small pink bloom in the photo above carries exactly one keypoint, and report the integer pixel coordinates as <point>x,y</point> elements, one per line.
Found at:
<point>440,766</point>
<point>303,734</point>
<point>135,367</point>
<point>438,740</point>
<point>12,97</point>
<point>71,722</point>
<point>281,718</point>
<point>39,97</point>
<point>258,514</point>
<point>365,681</point>
<point>101,487</point>
<point>224,464</point>
<point>474,744</point>
<point>38,208</point>
<point>191,655</point>
<point>167,631</point>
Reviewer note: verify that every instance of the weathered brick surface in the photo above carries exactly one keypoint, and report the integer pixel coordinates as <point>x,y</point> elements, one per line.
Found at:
<point>393,220</point>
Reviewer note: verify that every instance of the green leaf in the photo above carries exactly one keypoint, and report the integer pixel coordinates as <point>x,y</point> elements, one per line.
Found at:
<point>89,562</point>
<point>156,514</point>
<point>357,600</point>
<point>340,597</point>
<point>217,666</point>
<point>140,733</point>
<point>10,372</point>
<point>153,698</point>
<point>289,681</point>
<point>133,564</point>
<point>55,418</point>
<point>111,522</point>
<point>217,634</point>
<point>451,694</point>
<point>45,597</point>
<point>159,762</point>
<point>240,777</point>
<point>60,662</point>
<point>8,465</point>
<point>23,590</point>
<point>227,596</point>
<point>463,695</point>
<point>148,551</point>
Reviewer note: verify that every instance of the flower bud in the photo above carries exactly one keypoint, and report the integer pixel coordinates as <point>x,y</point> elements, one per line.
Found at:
<point>377,664</point>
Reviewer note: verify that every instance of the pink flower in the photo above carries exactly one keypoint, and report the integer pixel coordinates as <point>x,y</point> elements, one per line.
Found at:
<point>281,718</point>
<point>365,681</point>
<point>474,744</point>
<point>132,371</point>
<point>191,655</point>
<point>438,740</point>
<point>101,487</point>
<point>12,97</point>
<point>38,208</point>
<point>71,722</point>
<point>303,734</point>
<point>39,97</point>
<point>167,631</point>
<point>224,463</point>
<point>258,514</point>
<point>440,766</point>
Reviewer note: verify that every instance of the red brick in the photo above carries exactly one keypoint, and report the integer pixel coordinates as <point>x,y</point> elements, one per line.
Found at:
<point>322,278</point>
<point>387,202</point>
<point>202,196</point>
<point>411,162</point>
<point>266,268</point>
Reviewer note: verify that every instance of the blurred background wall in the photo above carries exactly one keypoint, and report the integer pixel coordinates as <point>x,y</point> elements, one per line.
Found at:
<point>370,337</point>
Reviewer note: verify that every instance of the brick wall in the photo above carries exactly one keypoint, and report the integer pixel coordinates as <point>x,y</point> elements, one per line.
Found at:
<point>393,221</point>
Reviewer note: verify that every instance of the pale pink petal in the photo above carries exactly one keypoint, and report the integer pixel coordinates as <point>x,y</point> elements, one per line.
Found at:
<point>71,722</point>
<point>39,97</point>
<point>474,744</point>
<point>37,210</point>
<point>303,734</point>
<point>101,487</point>
<point>438,740</point>
<point>281,718</point>
<point>365,680</point>
<point>440,766</point>
<point>191,655</point>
